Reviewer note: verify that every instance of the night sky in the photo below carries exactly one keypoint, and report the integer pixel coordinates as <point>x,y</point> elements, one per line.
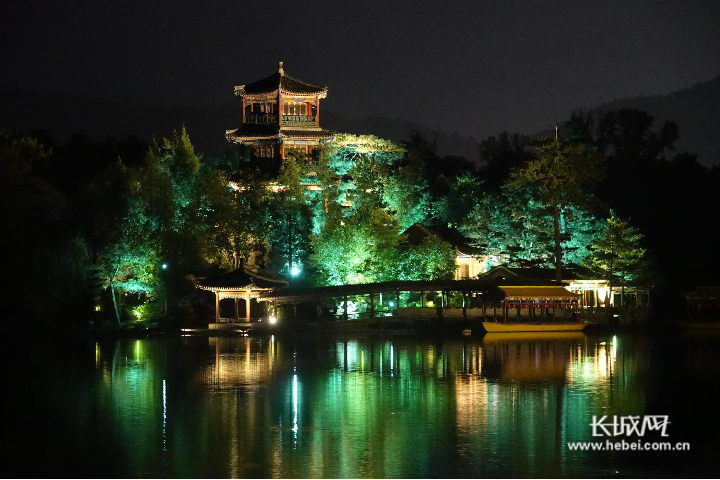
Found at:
<point>475,67</point>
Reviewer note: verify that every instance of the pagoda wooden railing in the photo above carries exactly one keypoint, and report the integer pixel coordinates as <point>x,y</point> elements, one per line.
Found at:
<point>261,119</point>
<point>298,120</point>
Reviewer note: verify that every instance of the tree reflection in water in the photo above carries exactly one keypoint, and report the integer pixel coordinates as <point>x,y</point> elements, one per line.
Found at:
<point>504,405</point>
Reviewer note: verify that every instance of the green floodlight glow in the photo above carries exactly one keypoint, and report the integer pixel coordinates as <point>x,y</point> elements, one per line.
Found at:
<point>392,304</point>
<point>294,271</point>
<point>164,266</point>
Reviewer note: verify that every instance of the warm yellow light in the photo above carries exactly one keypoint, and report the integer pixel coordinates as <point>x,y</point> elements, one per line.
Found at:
<point>272,320</point>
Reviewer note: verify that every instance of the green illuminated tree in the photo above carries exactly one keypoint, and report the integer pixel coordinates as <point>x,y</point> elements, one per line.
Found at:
<point>407,196</point>
<point>290,221</point>
<point>360,248</point>
<point>560,175</point>
<point>617,256</point>
<point>131,263</point>
<point>344,150</point>
<point>513,229</point>
<point>463,194</point>
<point>433,259</point>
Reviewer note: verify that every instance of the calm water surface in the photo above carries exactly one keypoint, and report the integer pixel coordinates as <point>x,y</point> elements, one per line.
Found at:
<point>357,407</point>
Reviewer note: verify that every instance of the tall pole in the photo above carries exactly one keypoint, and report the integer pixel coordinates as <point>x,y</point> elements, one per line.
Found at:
<point>247,306</point>
<point>290,248</point>
<point>558,246</point>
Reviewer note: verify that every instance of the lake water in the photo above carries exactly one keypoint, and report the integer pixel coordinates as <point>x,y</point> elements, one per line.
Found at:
<point>354,407</point>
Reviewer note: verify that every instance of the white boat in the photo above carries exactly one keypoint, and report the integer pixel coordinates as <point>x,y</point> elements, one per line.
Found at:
<point>498,327</point>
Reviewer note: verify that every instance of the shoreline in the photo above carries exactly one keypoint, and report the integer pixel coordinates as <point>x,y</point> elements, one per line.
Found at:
<point>374,326</point>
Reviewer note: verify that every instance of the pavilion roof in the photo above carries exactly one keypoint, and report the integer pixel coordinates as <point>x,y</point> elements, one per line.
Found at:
<point>251,131</point>
<point>239,279</point>
<point>280,81</point>
<point>534,275</point>
<point>418,232</point>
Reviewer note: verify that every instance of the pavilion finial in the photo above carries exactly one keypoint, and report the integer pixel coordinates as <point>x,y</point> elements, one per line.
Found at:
<point>280,68</point>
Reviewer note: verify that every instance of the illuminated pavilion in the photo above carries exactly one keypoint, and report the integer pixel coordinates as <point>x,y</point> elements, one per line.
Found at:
<point>281,115</point>
<point>238,284</point>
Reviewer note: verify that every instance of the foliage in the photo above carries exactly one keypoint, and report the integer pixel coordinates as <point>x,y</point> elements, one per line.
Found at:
<point>463,194</point>
<point>356,249</point>
<point>560,175</point>
<point>407,196</point>
<point>43,256</point>
<point>617,256</point>
<point>119,210</point>
<point>345,149</point>
<point>431,260</point>
<point>514,229</point>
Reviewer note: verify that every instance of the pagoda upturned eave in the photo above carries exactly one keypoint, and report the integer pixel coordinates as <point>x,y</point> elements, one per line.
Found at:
<point>250,132</point>
<point>280,82</point>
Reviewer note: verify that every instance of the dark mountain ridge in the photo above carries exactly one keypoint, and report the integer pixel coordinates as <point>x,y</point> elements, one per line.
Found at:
<point>695,109</point>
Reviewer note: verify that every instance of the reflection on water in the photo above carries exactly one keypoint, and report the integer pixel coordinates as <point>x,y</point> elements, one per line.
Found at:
<point>504,405</point>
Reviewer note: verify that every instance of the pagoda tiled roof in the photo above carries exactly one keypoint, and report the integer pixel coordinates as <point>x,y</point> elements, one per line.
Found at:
<point>238,280</point>
<point>281,81</point>
<point>251,131</point>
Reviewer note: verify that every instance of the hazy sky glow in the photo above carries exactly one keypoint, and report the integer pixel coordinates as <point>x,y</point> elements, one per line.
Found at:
<point>476,67</point>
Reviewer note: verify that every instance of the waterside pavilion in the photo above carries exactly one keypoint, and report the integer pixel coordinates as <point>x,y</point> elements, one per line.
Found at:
<point>238,284</point>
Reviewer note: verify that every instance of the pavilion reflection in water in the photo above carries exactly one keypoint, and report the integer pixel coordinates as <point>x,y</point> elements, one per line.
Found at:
<point>245,363</point>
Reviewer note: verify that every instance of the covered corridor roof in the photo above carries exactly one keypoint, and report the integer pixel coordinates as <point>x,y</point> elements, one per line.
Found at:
<point>302,294</point>
<point>521,292</point>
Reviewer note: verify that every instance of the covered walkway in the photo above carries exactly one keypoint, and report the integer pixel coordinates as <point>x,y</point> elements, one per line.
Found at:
<point>458,299</point>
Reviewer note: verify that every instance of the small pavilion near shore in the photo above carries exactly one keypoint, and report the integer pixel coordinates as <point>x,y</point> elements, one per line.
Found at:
<point>238,284</point>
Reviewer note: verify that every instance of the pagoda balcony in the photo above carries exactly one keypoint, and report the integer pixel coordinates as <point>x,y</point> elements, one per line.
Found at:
<point>261,119</point>
<point>298,120</point>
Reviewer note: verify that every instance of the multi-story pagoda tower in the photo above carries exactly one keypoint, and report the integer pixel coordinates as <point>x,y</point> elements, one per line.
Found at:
<point>281,115</point>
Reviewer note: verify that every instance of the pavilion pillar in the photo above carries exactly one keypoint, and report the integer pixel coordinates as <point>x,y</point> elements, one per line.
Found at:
<point>237,309</point>
<point>217,307</point>
<point>372,305</point>
<point>422,299</point>
<point>397,298</point>
<point>464,305</point>
<point>345,315</point>
<point>247,306</point>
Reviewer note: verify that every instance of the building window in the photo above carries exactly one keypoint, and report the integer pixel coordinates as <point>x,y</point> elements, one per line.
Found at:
<point>464,271</point>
